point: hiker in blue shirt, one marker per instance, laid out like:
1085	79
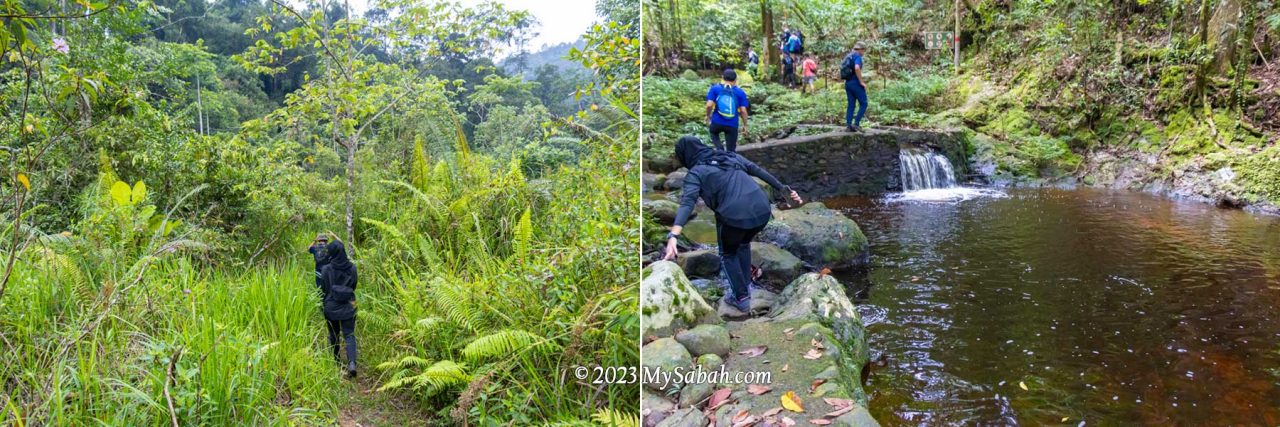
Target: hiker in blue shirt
726	103
855	88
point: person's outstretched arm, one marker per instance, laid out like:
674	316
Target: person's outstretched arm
688	198
759	172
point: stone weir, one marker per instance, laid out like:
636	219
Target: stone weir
844	163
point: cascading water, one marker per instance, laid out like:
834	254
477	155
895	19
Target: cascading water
925	169
927	176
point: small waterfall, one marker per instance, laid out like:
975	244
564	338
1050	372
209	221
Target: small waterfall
924	169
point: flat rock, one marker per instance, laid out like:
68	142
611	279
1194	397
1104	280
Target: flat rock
822	237
705	339
778	267
664	211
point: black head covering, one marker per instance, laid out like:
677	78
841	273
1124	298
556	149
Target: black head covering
338	256
692	152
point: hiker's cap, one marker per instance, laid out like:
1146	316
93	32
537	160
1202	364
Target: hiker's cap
859	46
322	236
730	75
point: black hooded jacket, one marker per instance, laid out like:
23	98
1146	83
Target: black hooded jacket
723	180
339	270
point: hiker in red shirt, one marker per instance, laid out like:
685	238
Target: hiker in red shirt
810	68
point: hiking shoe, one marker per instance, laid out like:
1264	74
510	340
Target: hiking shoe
857	129
351	370
850	129
742	304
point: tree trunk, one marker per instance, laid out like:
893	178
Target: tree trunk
771	55
351	190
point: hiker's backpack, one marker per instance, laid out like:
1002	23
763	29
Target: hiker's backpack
846	68
726	104
793	44
800	42
341	294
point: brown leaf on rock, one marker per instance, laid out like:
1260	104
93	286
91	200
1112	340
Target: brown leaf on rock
839	412
813	354
815	385
838	402
742	415
757	389
787	421
754	351
785	366
772	412
719	398
820	422
817	344
749	420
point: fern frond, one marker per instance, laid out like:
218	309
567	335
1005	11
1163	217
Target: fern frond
404	363
523	236
615	418
505	342
442	375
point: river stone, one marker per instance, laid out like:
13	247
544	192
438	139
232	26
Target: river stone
662	210
668	302
778	266
650	182
821	237
665	355
710	361
705	339
660	163
687	417
675	180
654	408
702	263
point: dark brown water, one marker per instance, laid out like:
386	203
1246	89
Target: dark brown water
1112	308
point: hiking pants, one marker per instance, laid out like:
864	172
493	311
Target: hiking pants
730	136
735	256
348	330
854	94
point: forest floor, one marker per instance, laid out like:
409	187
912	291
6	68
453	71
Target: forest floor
364	406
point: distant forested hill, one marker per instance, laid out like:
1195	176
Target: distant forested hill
553	55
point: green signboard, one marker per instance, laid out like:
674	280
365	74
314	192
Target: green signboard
938	39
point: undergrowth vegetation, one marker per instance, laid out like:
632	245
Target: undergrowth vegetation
163	192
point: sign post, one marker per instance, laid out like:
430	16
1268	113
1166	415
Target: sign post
956	44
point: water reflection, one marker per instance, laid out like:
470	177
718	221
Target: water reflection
1110	307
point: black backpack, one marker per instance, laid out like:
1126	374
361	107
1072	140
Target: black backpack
341	294
846	68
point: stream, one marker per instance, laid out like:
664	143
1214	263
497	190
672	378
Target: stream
1052	306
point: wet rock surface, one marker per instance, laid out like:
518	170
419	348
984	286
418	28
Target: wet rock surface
823	238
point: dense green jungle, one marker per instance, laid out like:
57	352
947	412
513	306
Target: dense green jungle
167	163
1171	97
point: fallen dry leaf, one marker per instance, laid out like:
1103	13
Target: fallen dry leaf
820	422
757	389
813	354
719	398
1022	384
815	385
742	415
788	330
838	402
754	351
791	402
785	366
749	420
839	412
772	412
817	344
788	422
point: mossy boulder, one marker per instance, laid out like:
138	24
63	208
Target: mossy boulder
668	302
705	339
675	180
654	408
665	355
687	417
663	211
650	182
778	267
703	263
821	237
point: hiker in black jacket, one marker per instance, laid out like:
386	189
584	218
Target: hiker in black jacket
723	181
337	287
317	251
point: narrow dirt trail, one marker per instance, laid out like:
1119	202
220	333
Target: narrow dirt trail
365	406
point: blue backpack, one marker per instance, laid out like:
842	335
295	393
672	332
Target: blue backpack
726	104
793	44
